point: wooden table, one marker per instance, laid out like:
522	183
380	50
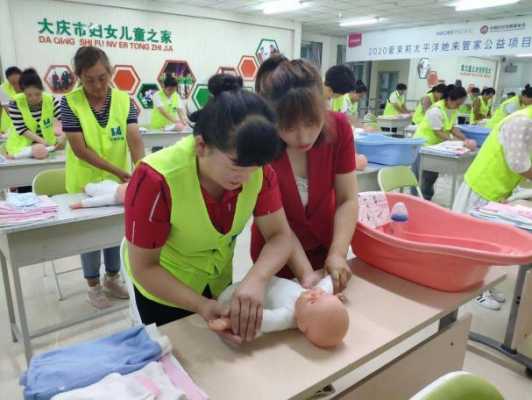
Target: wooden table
367	179
456	166
16	173
519	326
72	232
383	309
161	138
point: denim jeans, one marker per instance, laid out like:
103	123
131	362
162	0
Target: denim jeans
91	262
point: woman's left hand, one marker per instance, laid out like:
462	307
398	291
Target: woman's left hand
337	267
246	308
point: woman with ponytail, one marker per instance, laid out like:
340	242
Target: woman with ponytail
513	104
186	205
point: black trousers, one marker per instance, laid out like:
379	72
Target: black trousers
152	312
428	179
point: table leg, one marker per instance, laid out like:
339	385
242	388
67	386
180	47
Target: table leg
453	189
516	300
448	320
9	296
24	330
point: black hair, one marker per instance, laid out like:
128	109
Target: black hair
475	90
510	94
87	57
458	82
488	91
340	78
13	71
401	86
440	88
266	68
527	91
30	78
453	93
360	87
237	119
170	81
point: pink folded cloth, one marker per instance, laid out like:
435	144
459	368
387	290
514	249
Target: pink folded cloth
520	210
181	379
44	209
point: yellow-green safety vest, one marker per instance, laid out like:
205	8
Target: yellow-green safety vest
16	142
352	107
485	108
390	109
195	253
500	113
425	129
489	175
109	142
419	114
338	103
5	121
170	105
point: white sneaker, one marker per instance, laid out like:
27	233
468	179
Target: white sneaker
497	295
97	297
487	301
114	286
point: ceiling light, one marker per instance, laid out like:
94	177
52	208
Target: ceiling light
360	21
467	5
276	7
524	55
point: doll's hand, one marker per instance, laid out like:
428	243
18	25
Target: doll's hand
76	206
311	279
339	270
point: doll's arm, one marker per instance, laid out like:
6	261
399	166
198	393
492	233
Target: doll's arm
97	201
275	320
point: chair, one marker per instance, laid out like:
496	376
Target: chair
459	385
398	177
50	183
133	310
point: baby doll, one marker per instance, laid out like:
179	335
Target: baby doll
104	193
317	313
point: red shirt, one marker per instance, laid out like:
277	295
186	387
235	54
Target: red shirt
148	203
313	225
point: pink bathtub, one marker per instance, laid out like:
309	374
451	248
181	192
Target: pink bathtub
441	249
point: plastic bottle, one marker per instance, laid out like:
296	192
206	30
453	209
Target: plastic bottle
399	217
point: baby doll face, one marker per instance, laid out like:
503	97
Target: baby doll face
321	317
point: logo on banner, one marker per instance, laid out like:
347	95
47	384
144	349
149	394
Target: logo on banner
355	39
484	29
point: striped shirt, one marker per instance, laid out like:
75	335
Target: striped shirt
18	122
71	122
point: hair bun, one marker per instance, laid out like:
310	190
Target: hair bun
223	83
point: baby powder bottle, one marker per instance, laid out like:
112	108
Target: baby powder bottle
399	217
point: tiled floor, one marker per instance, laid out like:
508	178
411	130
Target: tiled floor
43	308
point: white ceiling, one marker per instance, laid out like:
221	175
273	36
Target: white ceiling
322	16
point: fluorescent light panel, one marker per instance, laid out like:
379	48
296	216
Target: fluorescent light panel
277	7
467	5
525	55
360	21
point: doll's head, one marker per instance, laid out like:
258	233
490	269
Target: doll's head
361	162
39	151
121	193
321	317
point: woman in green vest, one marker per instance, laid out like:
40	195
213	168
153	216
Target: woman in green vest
339	81
504	160
353	101
35	116
104	140
438	125
167	106
8	90
433	95
396	103
481	108
510	106
187	203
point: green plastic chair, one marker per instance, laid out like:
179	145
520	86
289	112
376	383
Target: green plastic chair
399	177
50	183
459	385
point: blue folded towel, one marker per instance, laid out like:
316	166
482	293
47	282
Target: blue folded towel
87	363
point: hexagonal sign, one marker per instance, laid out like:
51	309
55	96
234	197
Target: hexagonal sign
248	67
227	70
266	48
201	95
126	78
180	70
145	94
60	79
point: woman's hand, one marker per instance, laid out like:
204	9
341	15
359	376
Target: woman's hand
337	267
123	176
211	311
311	279
247	307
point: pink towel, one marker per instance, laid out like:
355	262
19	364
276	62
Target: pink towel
181	379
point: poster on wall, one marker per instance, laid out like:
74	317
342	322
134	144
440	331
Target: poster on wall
479	38
180	70
267	47
60	79
146	93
